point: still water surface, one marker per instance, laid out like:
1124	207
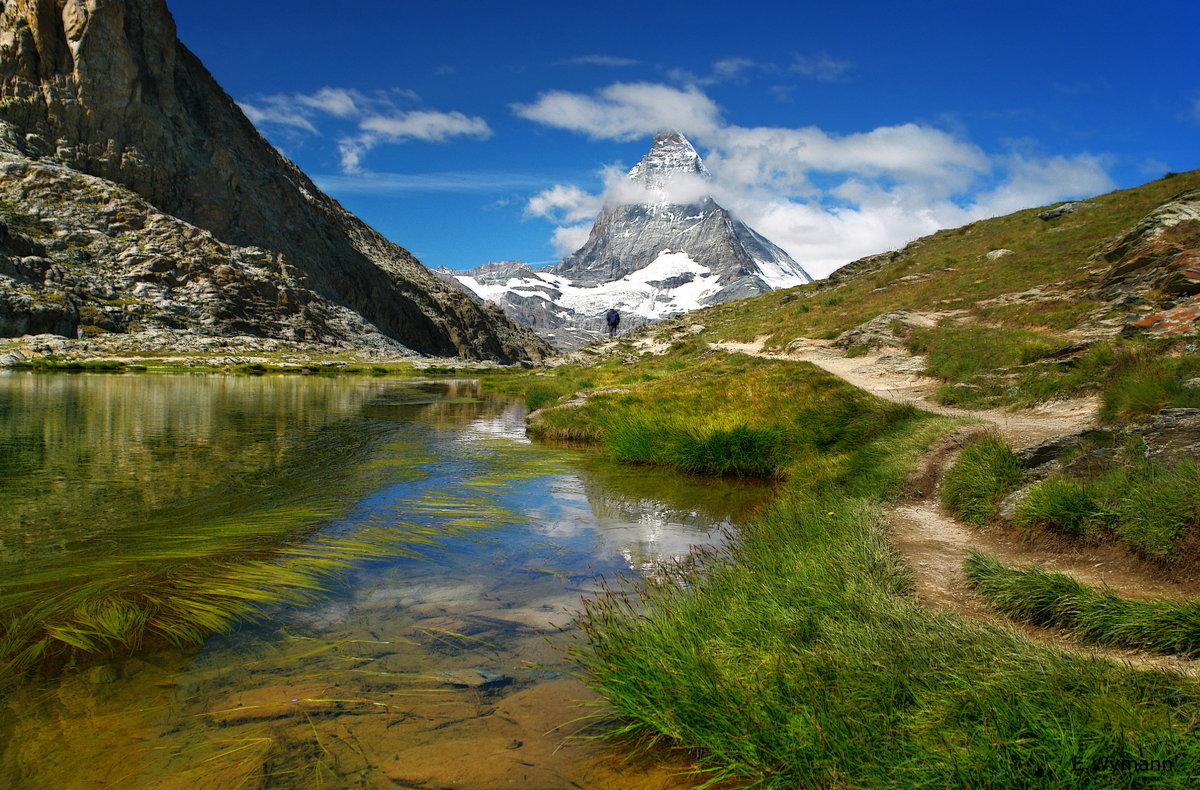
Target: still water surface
416	558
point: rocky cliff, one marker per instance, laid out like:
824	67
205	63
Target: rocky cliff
135	195
661	247
1156	265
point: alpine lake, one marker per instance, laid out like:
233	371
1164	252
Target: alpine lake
217	581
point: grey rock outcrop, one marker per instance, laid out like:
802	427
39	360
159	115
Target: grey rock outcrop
1170	436
882	330
1063	210
102	89
1156	265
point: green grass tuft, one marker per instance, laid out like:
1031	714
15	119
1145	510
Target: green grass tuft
724	415
1160	505
985	473
956	353
1070	506
1148	376
1147	506
1035	595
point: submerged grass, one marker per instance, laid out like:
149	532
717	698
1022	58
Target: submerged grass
1035	595
115	574
177	589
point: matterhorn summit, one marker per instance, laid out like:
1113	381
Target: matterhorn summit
660	246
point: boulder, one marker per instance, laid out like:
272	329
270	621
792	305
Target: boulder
881	330
474	678
1064	209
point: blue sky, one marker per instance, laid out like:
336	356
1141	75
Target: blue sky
474	131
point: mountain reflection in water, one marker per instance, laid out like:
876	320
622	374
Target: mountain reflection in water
412	549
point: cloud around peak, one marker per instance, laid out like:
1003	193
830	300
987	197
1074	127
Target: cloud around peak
825	198
625	111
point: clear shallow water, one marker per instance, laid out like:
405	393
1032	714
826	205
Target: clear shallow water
427	660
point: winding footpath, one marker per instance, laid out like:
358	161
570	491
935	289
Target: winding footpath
936	544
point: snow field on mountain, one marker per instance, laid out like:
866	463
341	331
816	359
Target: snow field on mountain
633	293
777	275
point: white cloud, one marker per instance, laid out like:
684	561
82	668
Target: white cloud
568	238
1034	182
280	113
351	151
870	217
625	111
340	102
377	118
820	67
1153	168
564	204
731	68
783	158
827	199
425	125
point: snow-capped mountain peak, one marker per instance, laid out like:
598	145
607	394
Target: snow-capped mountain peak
672	155
660	248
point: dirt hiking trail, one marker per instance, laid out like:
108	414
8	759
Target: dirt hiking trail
936	545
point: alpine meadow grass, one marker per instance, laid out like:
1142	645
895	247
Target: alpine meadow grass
1035	595
797	655
985	472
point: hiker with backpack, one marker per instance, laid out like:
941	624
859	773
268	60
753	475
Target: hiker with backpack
614	320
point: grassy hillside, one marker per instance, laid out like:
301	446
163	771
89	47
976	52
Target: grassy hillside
992	339
798	656
950	270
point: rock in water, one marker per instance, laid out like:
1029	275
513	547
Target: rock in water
135	194
474	678
664	248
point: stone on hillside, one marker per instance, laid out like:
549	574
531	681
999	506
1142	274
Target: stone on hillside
996	255
1157	260
1007	510
880	330
1172	435
1049	450
1065	208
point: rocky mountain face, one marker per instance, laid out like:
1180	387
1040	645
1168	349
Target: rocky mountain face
662	248
136	197
1156	265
